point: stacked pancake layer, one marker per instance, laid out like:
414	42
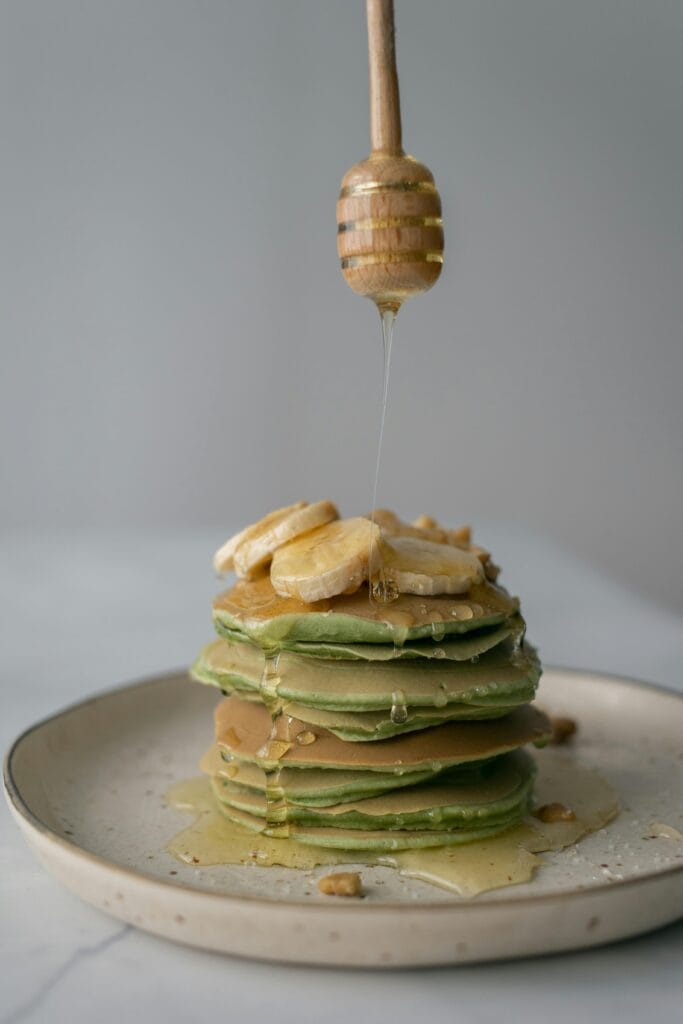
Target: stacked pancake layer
367	725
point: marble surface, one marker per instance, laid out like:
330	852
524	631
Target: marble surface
80	613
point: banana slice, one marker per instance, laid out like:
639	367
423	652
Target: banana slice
254	552
224	559
334	559
419	566
427	528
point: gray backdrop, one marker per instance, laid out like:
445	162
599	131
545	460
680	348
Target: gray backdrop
178	346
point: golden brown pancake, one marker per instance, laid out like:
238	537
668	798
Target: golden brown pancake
243	729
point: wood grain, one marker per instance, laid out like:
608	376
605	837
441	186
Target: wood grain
389	227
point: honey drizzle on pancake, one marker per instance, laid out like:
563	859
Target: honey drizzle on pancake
274	749
504	860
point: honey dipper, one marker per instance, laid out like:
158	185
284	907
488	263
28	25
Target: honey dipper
389	227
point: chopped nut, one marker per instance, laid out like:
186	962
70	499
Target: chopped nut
425	522
563	730
491	571
343	883
550	813
461	536
482	554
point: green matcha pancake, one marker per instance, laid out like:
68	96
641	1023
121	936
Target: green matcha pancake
244	730
317	787
431	814
366	726
492	683
358	839
253	608
460	647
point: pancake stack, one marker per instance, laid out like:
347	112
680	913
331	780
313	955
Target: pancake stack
377	684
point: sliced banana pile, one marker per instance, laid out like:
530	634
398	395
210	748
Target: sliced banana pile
252	548
313	555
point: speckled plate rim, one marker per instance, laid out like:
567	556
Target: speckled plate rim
59	855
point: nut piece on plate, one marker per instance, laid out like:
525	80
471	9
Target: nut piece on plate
334	559
551	813
563	730
343	883
250	550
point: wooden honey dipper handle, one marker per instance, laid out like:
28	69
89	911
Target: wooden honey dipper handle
389	229
385	106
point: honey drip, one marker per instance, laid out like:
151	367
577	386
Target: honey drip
213	839
399	708
274	749
382	589
467	870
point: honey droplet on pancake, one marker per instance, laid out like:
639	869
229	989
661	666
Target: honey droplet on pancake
441	696
399	709
384	590
462	611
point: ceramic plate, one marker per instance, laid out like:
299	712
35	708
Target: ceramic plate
86	788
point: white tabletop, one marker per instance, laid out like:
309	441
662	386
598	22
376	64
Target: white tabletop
82	613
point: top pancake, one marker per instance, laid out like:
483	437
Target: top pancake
253	609
457	647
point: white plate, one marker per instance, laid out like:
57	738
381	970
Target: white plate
86	788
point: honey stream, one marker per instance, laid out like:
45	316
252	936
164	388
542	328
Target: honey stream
382	589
